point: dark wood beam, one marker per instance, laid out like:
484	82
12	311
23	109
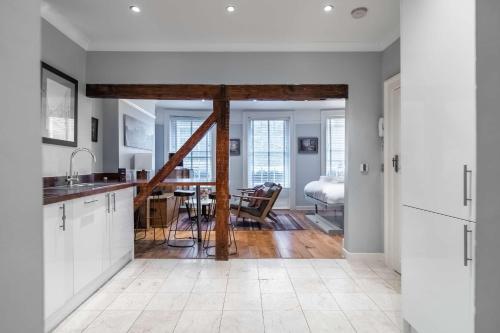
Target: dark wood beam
221	108
277	92
153	91
175	160
285	92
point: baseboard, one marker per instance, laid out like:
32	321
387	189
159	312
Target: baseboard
304	208
363	256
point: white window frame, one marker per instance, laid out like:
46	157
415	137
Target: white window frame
325	114
272	115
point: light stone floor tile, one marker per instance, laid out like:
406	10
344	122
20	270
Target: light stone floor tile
242	322
199	322
242	301
154	273
272	273
324	263
309	285
342	286
177	284
214	273
297	263
77	321
168	301
371	322
292	321
355	302
375	286
243	285
302	272
205	301
130	301
395	284
156	322
244	273
395	317
322	301
145	286
276	286
99	301
386	273
280	301
113	321
210	286
117	285
270	263
332	272
387	302
328	321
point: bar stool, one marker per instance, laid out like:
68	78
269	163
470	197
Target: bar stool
181	196
211	225
156	209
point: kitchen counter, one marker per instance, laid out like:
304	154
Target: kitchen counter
63	193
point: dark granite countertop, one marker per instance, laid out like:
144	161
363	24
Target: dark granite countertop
63	193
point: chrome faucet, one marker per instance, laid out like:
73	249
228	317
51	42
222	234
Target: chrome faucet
74	177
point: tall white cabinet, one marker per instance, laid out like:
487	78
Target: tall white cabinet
438	164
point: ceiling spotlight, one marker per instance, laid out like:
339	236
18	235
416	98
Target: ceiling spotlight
135	9
203	100
359	12
230	9
328	8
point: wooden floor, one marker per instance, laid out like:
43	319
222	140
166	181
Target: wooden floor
296	244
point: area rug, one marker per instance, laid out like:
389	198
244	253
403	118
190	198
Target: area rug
286	222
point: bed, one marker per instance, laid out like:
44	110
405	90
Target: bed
328	194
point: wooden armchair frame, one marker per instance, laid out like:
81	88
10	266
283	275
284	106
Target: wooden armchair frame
265	213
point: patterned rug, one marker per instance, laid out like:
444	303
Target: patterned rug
286	222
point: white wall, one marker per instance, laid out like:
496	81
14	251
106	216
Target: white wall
361	71
67	56
21	278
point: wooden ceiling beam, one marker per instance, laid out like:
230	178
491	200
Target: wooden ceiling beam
153	91
286	92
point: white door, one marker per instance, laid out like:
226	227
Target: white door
437	284
57	255
89	226
122	224
439	106
392	172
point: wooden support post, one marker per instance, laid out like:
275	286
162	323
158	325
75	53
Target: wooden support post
221	108
175	160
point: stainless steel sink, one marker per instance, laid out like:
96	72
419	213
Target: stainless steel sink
78	186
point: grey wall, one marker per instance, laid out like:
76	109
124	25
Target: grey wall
21	278
391	60
65	55
361	71
488	160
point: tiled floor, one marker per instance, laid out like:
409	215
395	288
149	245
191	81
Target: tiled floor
244	295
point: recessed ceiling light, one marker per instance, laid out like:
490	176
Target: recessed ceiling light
230	9
203	100
359	12
328	8
135	9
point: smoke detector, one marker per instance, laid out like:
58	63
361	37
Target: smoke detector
359	12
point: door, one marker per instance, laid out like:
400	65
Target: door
437	284
57	255
122	224
439	106
89	227
392	172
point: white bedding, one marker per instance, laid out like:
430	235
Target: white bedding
326	189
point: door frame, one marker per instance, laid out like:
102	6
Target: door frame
390	85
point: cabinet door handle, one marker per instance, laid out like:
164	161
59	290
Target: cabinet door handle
466	191
63	217
89	202
114	202
466	245
108	207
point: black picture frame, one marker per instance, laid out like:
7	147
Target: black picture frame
63	80
234	147
94	130
308	145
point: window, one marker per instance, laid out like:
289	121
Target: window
199	160
335	147
268	152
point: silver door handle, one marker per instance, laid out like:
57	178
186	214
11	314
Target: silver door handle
114	202
466	191
63	217
108	207
466	245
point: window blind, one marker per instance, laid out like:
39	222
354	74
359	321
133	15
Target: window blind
199	160
335	147
268	152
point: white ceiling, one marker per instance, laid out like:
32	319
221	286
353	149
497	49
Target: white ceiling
257	105
204	25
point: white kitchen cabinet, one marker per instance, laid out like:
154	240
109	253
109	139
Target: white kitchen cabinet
438	278
89	243
57	255
438	87
121	224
